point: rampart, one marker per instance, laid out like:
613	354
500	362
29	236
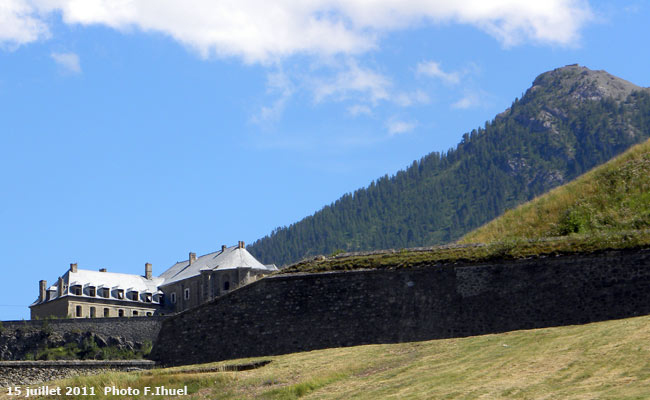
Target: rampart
19	338
288	313
136	329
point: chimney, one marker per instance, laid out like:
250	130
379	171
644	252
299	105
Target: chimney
102	270
73	267
42	286
241	244
148	271
223	248
192	257
59	287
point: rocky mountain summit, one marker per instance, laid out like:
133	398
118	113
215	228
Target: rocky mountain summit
579	83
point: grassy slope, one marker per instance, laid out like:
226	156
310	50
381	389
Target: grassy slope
605	360
613	197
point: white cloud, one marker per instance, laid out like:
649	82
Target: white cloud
359	109
19	24
409	99
266	31
397	127
279	85
432	69
69	61
353	81
469	100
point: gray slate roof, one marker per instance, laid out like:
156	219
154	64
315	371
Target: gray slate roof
231	258
109	280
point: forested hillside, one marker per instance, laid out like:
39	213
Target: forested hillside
569	121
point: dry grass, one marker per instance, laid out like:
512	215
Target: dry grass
605	360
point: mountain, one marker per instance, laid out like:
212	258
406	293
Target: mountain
569	121
613	197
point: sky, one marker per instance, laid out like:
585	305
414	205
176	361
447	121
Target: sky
136	131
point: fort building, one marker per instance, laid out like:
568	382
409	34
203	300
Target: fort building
81	293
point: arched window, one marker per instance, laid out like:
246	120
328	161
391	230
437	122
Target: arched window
172	298
120	313
186	294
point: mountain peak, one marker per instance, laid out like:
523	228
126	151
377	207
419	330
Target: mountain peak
581	83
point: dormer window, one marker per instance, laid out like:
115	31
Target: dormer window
76	290
148	298
133	295
105	293
92	292
120	294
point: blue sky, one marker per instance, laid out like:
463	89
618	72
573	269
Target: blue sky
137	131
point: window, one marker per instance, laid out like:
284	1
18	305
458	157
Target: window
106	293
149	314
186	294
120	313
120	294
107	312
93	312
79	313
91	291
172	298
147	298
76	290
134	296
135	313
226	285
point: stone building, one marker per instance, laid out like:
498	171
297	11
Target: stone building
83	293
189	283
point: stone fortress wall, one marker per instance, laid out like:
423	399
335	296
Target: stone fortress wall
136	329
289	313
20	338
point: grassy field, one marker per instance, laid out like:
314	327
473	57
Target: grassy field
605	360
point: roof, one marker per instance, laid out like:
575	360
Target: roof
112	280
229	258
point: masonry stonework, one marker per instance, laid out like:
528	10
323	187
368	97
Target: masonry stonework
19	338
288	313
